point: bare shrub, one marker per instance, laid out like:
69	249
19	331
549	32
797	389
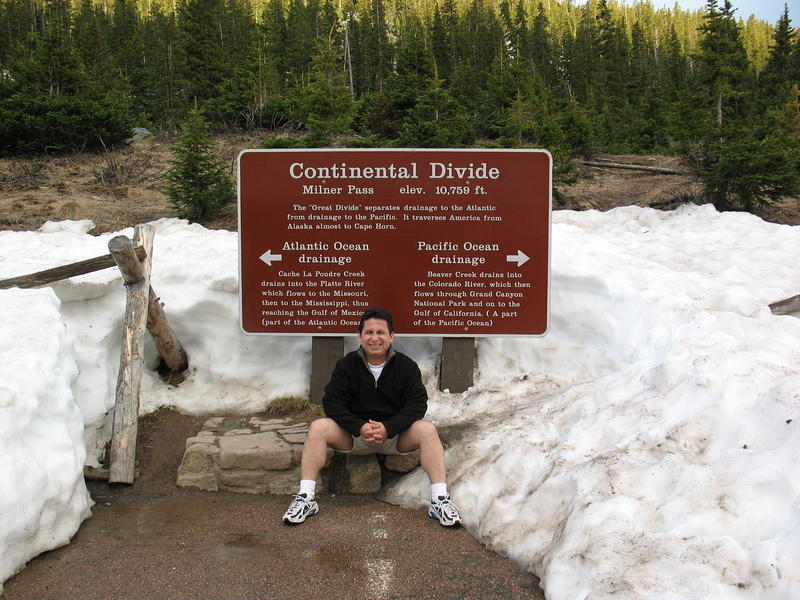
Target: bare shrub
22	175
123	169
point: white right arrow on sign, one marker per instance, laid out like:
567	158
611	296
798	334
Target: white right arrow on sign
520	258
268	257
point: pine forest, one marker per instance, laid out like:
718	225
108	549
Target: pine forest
575	78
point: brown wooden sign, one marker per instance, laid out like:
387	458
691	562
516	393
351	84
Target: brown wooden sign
452	242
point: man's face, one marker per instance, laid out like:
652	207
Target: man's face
375	340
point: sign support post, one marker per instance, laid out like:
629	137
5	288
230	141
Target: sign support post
457	364
325	351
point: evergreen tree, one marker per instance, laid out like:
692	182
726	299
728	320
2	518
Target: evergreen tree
721	64
436	121
750	157
774	82
162	98
198	183
327	100
273	36
90	35
47	100
746	168
202	63
540	51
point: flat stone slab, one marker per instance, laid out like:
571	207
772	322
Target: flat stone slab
253	455
293	438
254	451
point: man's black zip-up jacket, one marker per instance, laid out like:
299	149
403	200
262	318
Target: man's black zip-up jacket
397	399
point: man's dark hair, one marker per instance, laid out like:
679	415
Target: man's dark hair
377	313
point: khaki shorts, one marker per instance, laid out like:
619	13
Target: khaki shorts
361	447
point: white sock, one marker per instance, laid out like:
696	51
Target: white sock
308	487
438	489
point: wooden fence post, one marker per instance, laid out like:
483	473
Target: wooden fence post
71	270
126	411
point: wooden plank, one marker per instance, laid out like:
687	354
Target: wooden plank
325	351
612	165
126	409
457	366
786	307
66	271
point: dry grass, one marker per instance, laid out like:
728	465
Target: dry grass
293	407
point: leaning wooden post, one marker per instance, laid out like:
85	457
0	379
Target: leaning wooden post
167	344
126	412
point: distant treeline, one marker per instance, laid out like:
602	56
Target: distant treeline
546	73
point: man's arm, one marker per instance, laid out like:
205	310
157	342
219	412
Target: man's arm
415	400
335	404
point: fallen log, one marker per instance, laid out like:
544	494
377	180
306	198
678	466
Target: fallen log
65	271
612	165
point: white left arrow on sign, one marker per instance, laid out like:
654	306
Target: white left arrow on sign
268	257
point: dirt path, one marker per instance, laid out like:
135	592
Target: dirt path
153	540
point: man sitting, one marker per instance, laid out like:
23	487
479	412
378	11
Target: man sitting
375	403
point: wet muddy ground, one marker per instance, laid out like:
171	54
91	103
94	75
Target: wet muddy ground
153	540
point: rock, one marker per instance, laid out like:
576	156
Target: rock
402	463
288	482
273	427
238	432
266	422
297	455
197	469
293	438
201	481
255	451
249	481
205	439
355	474
285	482
240	460
293	429
139	133
214	422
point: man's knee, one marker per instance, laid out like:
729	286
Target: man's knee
322	429
418	434
329	432
425	429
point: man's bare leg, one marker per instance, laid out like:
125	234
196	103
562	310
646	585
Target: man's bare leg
321	434
423	435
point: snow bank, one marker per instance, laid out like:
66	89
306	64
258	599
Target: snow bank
44	498
648	447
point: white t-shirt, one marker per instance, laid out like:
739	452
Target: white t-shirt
377	370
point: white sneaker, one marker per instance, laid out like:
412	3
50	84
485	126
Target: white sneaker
442	508
301	507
